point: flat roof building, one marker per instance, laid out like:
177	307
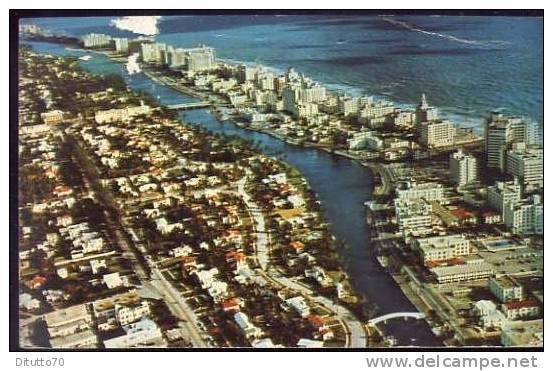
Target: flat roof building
441	247
502	194
440	133
463	272
500	132
505	288
526	164
96	40
413	214
430	191
84	339
463	168
525	217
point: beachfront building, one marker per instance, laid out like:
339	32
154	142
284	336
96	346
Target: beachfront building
176	58
121	45
404	119
200	59
534	134
463	168
153	53
441	248
312	94
246	73
500	133
424	112
347	105
437	133
96	40
376	114
526	163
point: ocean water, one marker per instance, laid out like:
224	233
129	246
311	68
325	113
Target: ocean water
466	65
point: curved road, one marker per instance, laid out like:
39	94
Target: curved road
357	337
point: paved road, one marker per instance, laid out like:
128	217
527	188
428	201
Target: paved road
172	297
261	236
177	304
357	337
429	297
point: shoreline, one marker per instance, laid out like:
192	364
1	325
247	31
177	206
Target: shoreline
372	166
457	115
375	170
121	59
192	93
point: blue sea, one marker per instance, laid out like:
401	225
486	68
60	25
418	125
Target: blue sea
466	65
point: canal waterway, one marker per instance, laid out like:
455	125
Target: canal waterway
342	185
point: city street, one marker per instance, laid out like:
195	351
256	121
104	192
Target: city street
356	335
178	307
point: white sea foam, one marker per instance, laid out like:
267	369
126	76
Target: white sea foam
142	25
444	36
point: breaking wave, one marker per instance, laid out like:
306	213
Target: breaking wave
444	36
141	25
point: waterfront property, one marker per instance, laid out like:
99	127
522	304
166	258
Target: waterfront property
292	107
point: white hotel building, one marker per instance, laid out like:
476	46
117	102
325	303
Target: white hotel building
428	191
412	215
500	132
463	168
441	247
436	133
96	40
526	164
525	217
502	194
464	272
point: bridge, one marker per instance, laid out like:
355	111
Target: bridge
386	317
189	106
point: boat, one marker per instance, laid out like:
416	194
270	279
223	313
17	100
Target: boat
437	330
85	57
383	260
369	219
